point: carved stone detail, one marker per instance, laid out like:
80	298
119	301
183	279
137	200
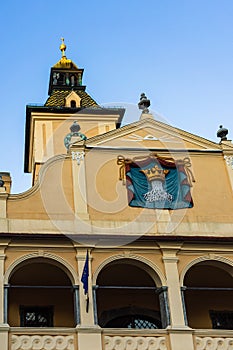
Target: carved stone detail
42	342
209	343
229	160
135	343
78	156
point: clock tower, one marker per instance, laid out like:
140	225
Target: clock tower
68	102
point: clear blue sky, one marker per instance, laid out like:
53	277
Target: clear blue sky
179	52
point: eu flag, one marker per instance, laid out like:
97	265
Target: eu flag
85	275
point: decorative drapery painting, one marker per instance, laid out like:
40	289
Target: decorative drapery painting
157	182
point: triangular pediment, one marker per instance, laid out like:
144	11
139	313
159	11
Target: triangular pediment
151	134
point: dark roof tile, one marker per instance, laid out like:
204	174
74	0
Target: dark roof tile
57	98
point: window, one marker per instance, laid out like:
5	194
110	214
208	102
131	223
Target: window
134	321
36	316
222	319
73	104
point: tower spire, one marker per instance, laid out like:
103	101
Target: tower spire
63	48
65	74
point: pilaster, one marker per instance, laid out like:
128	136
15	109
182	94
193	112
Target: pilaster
79	184
89	339
3	246
229	167
4	330
3	200
170	261
179	337
2	259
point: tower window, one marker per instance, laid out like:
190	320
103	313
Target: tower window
73	104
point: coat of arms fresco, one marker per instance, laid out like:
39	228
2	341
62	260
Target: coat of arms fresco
157	182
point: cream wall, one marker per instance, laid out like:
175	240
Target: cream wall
153	256
106	196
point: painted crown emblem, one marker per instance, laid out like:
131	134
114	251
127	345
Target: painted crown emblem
155	173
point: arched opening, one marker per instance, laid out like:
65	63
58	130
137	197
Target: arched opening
73	104
40	294
208	295
127	296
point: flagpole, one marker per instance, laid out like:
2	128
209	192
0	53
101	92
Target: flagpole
85	280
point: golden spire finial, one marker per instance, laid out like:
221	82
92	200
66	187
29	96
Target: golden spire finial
63	47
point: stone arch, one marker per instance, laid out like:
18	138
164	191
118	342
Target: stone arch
60	262
207	292
150	267
217	258
128	293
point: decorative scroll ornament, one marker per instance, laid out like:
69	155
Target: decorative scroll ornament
42	342
135	343
210	343
74	133
157	182
78	156
229	160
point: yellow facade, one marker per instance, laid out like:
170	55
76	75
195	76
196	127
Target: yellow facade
158	278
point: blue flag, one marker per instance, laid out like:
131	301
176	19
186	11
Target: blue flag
85	275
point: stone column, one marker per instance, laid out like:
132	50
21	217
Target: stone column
6	303
94	288
2	259
164	306
4	328
180	334
76	305
183	289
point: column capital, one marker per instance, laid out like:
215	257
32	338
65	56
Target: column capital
162	289
170	259
170	248
3	194
3	245
82	253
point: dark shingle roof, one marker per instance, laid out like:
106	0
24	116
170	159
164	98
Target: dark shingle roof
57	98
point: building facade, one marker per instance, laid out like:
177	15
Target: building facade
125	239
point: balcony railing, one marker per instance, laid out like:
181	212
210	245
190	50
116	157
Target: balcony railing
135	339
123	339
213	339
40	339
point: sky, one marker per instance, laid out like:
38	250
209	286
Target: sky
178	52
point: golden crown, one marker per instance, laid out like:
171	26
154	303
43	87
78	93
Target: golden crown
155	173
